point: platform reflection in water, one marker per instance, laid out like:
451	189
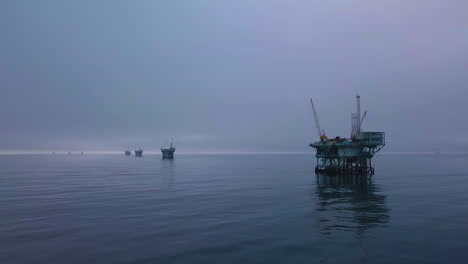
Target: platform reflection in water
349	203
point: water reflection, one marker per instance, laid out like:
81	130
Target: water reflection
167	172
350	203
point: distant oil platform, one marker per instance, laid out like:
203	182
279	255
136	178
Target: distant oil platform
168	153
139	153
347	156
128	152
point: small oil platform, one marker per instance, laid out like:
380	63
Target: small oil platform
128	152
347	156
168	153
139	153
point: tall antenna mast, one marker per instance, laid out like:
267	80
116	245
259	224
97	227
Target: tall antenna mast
358	112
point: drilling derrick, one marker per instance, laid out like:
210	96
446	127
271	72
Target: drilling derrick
348	156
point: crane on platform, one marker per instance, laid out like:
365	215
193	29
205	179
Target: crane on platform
320	132
362	120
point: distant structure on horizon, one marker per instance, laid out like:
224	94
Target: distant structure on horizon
139	153
347	156
128	152
168	153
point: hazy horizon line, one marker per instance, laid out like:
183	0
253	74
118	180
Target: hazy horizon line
105	152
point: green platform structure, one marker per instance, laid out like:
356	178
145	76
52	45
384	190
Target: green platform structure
168	153
348	155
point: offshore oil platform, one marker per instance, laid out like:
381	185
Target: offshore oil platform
128	152
347	156
139	153
168	153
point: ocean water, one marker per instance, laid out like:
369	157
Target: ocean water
231	209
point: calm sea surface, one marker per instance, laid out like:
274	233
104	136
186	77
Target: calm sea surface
230	209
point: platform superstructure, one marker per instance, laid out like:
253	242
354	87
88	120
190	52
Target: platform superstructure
139	153
168	153
347	155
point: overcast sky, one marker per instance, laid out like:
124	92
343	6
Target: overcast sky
231	75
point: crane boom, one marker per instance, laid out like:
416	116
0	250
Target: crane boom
317	125
362	120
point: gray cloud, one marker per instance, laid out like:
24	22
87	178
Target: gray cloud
230	75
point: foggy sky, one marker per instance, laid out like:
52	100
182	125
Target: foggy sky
231	75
